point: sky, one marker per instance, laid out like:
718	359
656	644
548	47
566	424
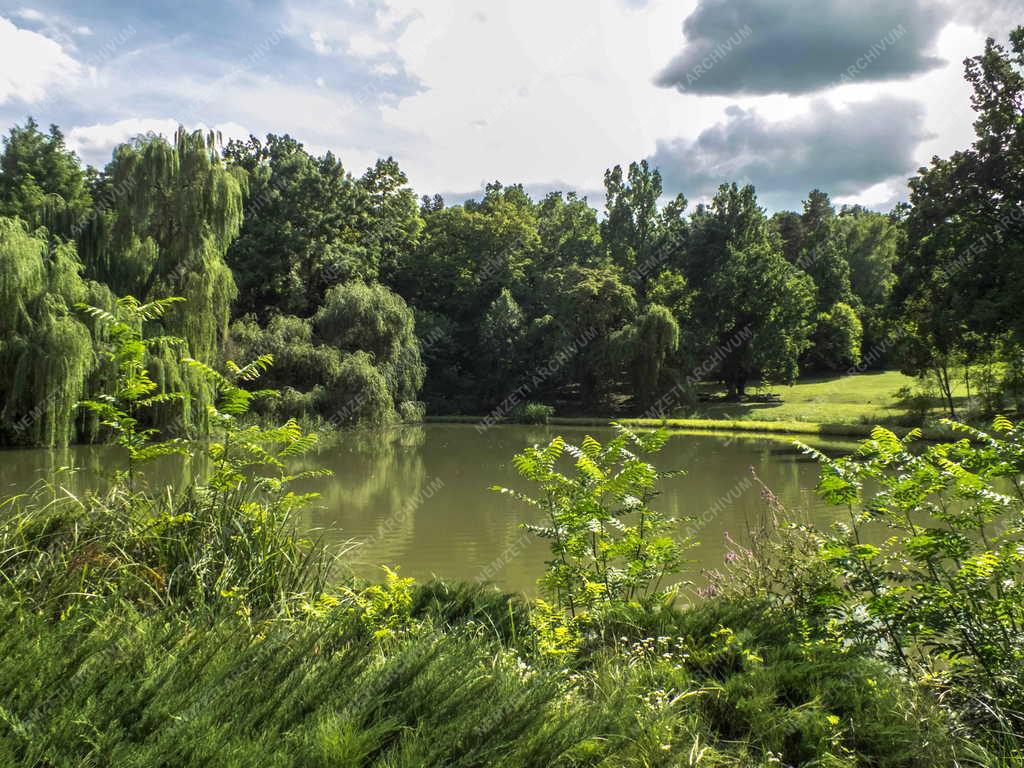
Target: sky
849	96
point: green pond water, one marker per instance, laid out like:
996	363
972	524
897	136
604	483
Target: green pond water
418	497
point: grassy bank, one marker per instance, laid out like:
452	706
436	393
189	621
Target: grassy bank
844	406
725	426
864	398
463	684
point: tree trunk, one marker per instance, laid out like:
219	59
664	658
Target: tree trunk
967	382
737	387
942	373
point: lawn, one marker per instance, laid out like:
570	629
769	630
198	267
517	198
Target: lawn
865	398
839	405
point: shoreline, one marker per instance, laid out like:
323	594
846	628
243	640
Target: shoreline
713	425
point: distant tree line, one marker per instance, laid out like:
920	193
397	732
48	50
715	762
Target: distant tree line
374	303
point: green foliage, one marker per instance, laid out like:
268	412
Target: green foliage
927	572
229	545
950	578
37	167
411	411
502	333
639	237
870	244
559	635
395	224
654	342
45	351
532	413
607	544
309	225
719	685
836	340
593	307
299	360
242	448
179	209
125	349
504	288
960	265
385	609
753	303
821	255
372	320
568	230
361	394
357	361
176	614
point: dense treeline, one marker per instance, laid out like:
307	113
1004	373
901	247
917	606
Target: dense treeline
373	303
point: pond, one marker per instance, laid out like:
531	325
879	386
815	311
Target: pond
417	497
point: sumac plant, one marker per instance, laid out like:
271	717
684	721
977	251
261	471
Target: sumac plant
125	346
607	544
943	593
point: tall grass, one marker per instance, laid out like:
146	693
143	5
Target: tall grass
727	686
60	552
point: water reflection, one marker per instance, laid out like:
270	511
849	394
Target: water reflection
417	496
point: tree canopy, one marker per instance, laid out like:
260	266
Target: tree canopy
371	301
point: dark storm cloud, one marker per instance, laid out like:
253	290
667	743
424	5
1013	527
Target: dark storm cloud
840	150
799	46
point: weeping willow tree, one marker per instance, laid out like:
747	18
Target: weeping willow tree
172	210
46	350
374	321
176	209
653	339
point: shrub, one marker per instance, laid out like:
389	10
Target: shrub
360	395
607	544
157	632
384	609
941	594
918	404
229	544
836	339
412	411
531	413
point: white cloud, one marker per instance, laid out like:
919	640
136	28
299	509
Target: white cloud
843	150
363	31
30	14
95	143
58	28
881	196
349	124
33	66
992	17
508	98
365	45
944	92
318	42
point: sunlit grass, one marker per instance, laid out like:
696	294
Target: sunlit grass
840	405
